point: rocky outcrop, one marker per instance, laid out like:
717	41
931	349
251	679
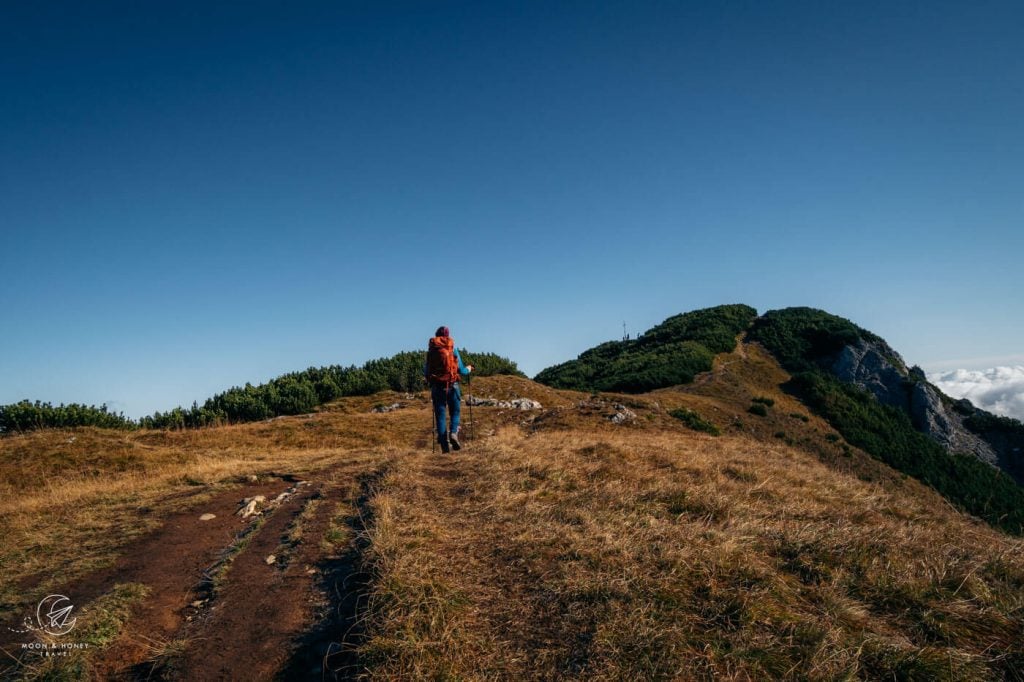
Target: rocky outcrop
622	415
931	416
877	368
514	404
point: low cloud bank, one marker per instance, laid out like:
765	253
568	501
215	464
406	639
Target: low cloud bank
999	389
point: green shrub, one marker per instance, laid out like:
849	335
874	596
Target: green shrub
695	421
671	353
28	416
759	409
887	434
800	337
767	402
303	392
295	393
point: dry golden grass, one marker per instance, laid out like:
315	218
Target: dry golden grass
559	545
95	490
635	554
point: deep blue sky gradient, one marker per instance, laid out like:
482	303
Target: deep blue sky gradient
196	195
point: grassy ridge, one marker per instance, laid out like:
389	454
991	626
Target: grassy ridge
888	434
804	339
668	354
560	545
613	555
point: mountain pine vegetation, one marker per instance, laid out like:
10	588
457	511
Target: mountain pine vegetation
671	353
804	340
289	394
28	416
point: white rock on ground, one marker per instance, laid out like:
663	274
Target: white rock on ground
250	506
622	414
515	403
207	517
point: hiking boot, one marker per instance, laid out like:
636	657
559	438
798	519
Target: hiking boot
456	445
444	447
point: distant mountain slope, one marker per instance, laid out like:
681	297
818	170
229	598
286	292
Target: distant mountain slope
806	339
863	387
670	353
849	376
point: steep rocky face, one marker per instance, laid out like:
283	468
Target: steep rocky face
931	416
877	368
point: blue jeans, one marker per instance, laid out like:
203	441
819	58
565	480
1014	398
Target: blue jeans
450	399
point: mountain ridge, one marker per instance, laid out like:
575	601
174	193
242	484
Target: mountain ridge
596	536
835	364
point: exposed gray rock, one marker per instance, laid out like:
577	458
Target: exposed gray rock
388	408
945	426
250	506
622	414
929	414
515	403
877	368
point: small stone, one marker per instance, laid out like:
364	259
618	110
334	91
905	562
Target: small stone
207	517
271	560
622	415
250	506
252	478
197	603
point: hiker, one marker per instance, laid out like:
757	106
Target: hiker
442	370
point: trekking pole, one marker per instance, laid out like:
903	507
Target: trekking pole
469	383
433	424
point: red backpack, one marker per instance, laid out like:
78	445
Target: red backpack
442	367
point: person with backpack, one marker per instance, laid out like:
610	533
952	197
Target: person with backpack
442	371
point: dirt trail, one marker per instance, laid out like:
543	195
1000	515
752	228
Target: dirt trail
261	607
168	560
254	619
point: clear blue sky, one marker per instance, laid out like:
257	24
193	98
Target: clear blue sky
195	195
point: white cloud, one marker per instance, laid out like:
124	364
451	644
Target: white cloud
999	389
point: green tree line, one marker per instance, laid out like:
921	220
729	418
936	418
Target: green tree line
28	416
294	393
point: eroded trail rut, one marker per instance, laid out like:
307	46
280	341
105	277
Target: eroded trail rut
268	597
